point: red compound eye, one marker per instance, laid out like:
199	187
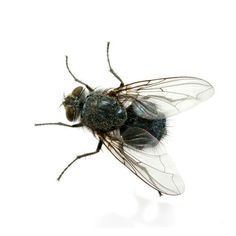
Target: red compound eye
77	91
70	113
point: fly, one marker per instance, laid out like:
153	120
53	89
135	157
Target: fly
130	121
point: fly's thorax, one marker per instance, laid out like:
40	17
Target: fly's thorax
102	112
73	103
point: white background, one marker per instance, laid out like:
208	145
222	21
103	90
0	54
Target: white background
149	39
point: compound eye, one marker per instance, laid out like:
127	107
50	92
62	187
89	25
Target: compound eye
77	91
70	113
68	101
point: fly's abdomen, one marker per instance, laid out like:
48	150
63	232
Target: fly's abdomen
156	127
103	113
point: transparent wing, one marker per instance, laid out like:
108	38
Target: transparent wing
171	95
151	164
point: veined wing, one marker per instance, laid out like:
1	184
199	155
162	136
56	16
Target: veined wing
171	95
152	165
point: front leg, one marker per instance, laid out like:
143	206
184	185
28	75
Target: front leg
60	123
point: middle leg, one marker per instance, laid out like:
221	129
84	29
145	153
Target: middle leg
110	68
99	146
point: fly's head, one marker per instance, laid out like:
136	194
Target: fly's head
73	103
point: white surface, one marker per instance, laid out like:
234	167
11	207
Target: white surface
149	39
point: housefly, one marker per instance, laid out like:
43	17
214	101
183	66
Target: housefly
130	121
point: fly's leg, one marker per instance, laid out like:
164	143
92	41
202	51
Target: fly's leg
62	124
80	156
110	68
79	81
